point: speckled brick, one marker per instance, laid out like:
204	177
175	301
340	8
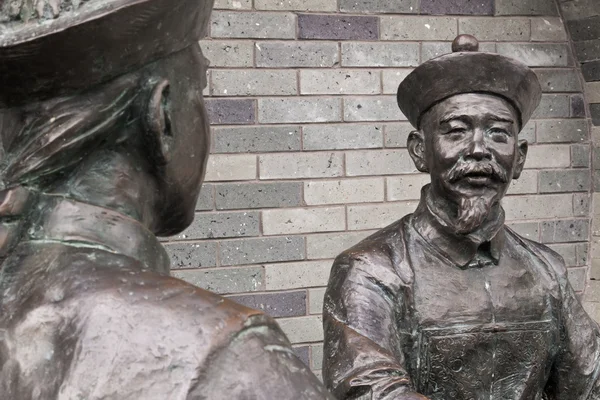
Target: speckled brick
225	280
580	156
259	195
261	250
380	6
277	305
192	255
565	231
565	181
562	131
591	71
457	7
526	7
206	200
595	113
221	225
231	111
302	353
588	50
559	80
577	106
337	27
585	29
256	139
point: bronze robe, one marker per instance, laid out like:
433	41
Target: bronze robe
400	312
89	312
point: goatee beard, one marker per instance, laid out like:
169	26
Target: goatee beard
472	212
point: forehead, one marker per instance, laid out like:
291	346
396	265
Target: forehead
472	105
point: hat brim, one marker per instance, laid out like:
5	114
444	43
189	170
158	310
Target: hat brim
469	72
93	44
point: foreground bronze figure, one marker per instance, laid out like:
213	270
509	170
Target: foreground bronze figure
104	140
448	303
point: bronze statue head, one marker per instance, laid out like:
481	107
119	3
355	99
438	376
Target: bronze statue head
109	100
468	109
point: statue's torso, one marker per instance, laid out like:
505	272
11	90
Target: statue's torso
481	333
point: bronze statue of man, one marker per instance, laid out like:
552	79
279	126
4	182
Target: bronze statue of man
448	303
104	140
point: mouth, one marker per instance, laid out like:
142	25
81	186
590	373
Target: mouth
478	178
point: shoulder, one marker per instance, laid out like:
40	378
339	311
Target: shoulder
548	256
380	257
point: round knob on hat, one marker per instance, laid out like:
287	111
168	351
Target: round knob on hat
465	43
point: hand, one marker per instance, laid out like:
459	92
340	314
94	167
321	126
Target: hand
411	396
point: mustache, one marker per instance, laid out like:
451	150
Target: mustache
489	168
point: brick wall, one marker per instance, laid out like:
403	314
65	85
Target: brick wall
309	146
582	18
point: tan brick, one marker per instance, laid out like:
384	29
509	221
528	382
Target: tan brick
378	215
496	29
296	5
231	167
392	79
418	28
548	156
548	29
228	53
538	206
593	309
300	109
302	329
592	92
315	300
233	4
306	220
406	187
336	81
526	184
372	108
366	190
253	82
379	162
297	275
301	165
330	245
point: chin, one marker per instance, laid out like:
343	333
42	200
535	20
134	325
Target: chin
174	220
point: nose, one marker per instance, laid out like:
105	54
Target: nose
478	149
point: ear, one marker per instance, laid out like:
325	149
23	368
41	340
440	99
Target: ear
521	156
416	149
158	122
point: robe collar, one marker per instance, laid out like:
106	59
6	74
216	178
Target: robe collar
460	249
78	224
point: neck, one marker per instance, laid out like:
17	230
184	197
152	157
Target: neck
107	203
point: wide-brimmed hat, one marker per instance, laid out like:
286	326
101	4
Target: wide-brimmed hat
468	71
93	43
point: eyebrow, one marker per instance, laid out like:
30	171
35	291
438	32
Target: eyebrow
467	118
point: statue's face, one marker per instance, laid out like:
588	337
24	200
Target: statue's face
182	175
471	146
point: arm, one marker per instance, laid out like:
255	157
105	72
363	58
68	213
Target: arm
575	373
258	363
363	347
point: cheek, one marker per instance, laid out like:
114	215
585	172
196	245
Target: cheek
445	152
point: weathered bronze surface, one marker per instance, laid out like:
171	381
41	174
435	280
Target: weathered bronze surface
104	140
448	303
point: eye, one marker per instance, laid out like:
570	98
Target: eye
456	131
499	135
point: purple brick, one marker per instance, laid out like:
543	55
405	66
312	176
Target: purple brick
585	29
457	7
577	106
595	111
231	111
302	353
591	71
588	50
290	304
334	27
